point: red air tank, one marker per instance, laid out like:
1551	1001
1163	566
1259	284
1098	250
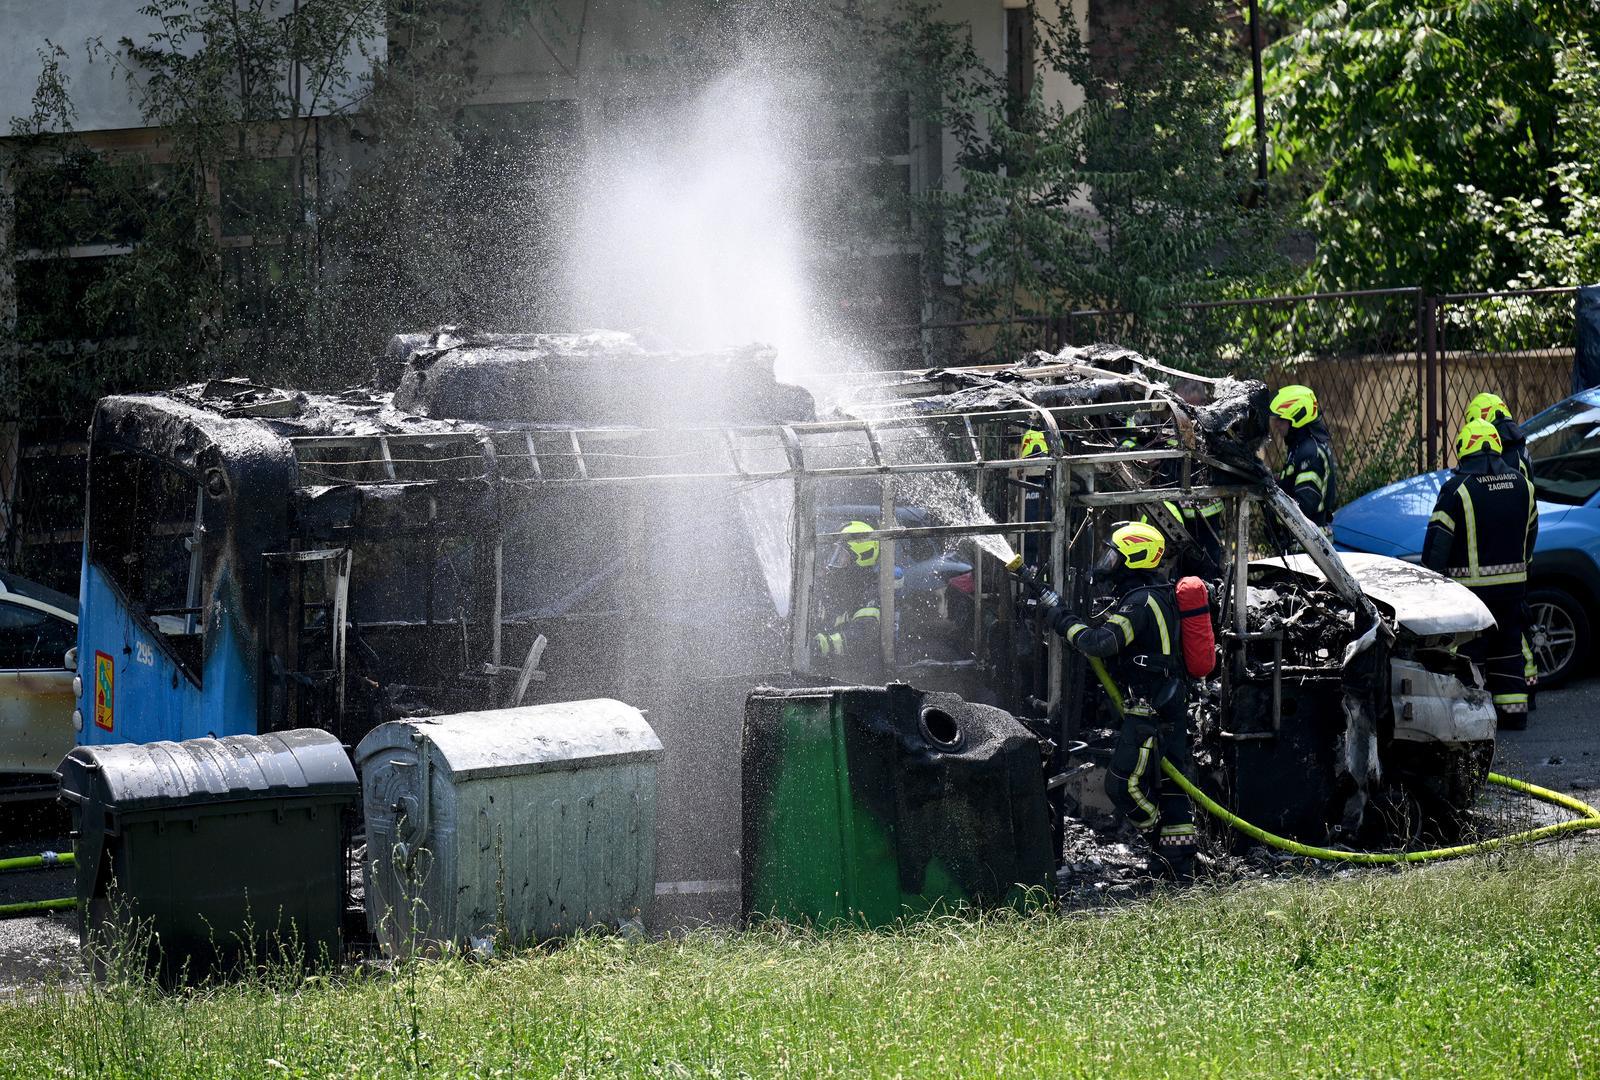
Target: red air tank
1194	627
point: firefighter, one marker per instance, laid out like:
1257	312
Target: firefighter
850	603
1481	534
1491	407
1308	474
1036	497
1204	557
1140	636
1033	444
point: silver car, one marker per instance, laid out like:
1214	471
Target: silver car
38	646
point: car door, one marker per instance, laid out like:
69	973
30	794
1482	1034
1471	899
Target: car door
36	698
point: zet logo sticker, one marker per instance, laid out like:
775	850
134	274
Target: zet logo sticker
104	678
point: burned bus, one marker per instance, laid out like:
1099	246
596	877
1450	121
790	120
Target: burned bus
511	519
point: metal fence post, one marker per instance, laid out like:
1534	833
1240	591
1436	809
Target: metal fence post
1419	343
1430	431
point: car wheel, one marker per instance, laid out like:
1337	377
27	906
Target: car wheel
1558	633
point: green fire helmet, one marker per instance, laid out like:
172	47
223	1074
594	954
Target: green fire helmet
865	551
1296	404
1477	436
1487	406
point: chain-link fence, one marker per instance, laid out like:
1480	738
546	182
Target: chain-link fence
1520	345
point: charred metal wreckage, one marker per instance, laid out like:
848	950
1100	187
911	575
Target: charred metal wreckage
509	519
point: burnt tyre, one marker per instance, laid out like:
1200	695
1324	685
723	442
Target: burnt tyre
1558	634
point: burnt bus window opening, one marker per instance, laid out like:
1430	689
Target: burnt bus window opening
142	536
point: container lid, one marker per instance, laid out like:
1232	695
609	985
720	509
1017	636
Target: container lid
147	776
534	738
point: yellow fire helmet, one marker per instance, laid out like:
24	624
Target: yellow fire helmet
1140	544
1033	444
1487	406
1296	404
866	551
1476	437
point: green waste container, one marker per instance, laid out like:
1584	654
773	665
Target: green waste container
870	803
203	857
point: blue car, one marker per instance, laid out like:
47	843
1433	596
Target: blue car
1564	580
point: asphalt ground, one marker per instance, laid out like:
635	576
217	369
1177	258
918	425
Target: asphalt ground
1560	750
35	949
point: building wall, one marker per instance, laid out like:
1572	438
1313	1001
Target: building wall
574	74
99	91
90	31
609	57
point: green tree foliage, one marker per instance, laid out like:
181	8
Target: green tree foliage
1403	123
231	87
1127	202
303	199
1557	232
383	213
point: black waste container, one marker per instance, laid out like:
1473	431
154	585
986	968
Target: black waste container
208	855
871	803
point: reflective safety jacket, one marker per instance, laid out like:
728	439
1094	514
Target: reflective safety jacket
1308	474
1483	525
1141	632
1198	521
854	634
1201	524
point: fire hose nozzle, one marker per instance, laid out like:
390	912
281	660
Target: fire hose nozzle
1015	564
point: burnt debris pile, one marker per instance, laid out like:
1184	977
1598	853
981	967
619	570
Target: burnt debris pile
1314	623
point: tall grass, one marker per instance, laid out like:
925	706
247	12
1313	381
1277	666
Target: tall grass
1487	967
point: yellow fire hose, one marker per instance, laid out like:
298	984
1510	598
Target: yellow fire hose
33	862
33	907
1589	817
45	861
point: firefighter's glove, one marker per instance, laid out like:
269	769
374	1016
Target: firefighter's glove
1049	609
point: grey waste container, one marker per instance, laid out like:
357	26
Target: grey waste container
532	822
220	852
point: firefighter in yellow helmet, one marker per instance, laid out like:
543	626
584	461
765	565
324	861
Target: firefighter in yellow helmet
1514	448
1491	407
1203	556
1308	475
1139	636
849	596
1481	534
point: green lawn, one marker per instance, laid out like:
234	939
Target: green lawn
1487	967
